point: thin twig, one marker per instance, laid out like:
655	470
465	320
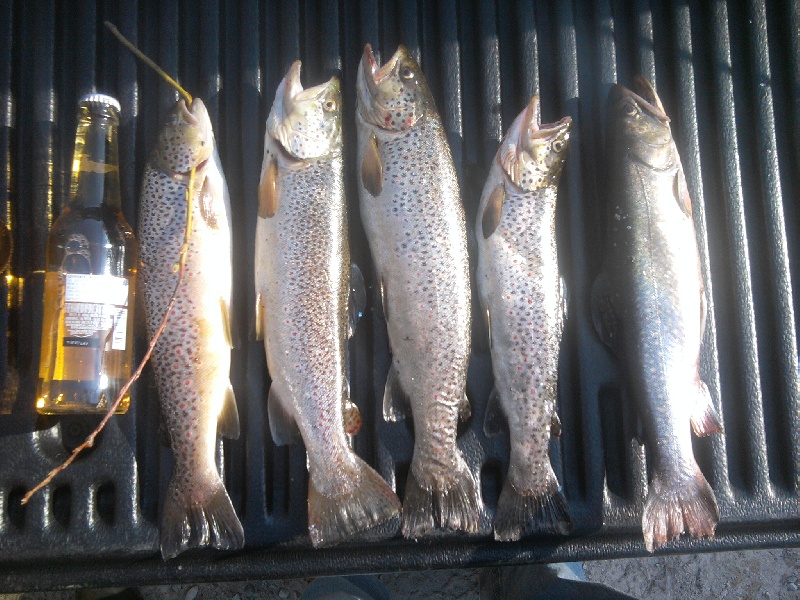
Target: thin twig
180	267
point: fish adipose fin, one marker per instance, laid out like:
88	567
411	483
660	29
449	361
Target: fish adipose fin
673	507
454	503
282	425
228	421
705	419
395	400
494	422
520	514
335	519
194	524
372	169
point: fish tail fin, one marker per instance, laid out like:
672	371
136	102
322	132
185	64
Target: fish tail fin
334	519
191	524
451	502
522	513
673	507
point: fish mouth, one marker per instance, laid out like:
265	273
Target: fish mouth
646	97
187	115
378	74
291	88
529	127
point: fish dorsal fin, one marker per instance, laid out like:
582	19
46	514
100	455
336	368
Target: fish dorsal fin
358	298
268	191
372	169
282	425
228	420
395	400
352	418
494	422
259	324
681	191
493	210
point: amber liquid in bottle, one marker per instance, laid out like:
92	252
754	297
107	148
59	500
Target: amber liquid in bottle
90	278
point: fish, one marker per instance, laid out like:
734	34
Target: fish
302	285
411	209
191	360
649	307
521	293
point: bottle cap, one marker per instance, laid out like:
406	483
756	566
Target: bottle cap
97	102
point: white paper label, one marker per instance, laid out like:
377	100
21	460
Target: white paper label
95	303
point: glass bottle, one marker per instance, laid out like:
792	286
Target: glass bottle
90	277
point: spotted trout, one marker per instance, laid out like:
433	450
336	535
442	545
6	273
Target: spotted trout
520	291
191	359
649	307
412	213
302	290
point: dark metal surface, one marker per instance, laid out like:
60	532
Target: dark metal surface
729	76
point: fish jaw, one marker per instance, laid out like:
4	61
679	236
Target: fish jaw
640	124
186	141
306	124
392	97
532	154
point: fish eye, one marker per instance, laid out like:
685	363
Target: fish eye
630	109
330	105
407	73
558	145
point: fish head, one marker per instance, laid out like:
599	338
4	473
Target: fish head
307	124
639	123
532	153
186	140
392	97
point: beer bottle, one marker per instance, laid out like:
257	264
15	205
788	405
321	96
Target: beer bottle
90	277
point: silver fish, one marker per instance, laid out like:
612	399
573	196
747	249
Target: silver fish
192	357
649	307
302	287
521	293
414	220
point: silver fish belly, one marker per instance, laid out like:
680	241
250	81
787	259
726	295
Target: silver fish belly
191	359
302	285
649	307
414	220
520	291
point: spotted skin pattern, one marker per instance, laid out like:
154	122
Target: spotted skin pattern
519	287
417	237
303	282
192	357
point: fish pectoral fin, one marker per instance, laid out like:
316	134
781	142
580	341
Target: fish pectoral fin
228	420
555	425
211	195
259	316
493	210
562	283
681	191
395	400
494	422
227	329
603	316
352	418
464	409
357	300
705	418
382	296
372	169
163	433
282	425
268	190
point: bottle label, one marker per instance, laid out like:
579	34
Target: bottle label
95	304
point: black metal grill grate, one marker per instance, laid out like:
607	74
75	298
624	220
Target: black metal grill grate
729	76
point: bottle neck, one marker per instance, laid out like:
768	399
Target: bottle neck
95	164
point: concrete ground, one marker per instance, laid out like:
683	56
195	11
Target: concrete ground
773	574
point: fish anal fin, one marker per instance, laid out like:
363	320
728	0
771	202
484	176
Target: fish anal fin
372	169
268	191
603	316
228	420
493	210
282	425
352	418
705	419
494	422
395	400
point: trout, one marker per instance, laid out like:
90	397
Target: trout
521	293
412	213
302	289
192	358
649	307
